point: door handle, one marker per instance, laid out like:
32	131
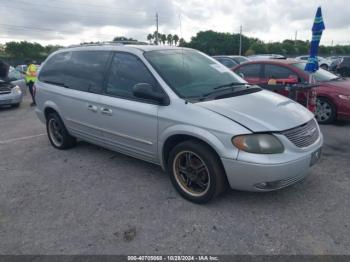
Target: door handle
92	108
106	111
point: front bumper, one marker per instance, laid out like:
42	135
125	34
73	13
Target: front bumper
247	176
10	99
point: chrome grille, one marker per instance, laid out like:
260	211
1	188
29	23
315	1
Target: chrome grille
303	136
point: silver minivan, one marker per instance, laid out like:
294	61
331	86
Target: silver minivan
180	109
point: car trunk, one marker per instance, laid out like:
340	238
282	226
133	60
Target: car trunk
5	86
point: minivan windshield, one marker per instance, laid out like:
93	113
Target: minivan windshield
190	73
320	75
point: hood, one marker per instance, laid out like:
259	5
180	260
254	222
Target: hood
4	70
343	86
261	111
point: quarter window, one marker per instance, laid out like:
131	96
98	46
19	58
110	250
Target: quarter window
79	70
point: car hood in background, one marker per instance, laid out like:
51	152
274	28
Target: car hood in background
262	111
343	86
4	70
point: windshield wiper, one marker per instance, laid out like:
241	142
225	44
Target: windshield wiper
225	87
230	85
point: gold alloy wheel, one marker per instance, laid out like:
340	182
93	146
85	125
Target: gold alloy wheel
55	131
191	173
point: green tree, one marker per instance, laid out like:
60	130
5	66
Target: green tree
123	38
163	39
169	39
176	39
150	38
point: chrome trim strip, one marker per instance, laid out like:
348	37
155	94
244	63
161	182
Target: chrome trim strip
111	132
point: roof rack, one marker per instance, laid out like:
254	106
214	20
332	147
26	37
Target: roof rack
126	42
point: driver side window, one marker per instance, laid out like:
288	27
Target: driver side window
127	70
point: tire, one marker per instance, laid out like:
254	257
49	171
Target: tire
324	66
326	112
62	139
15	105
207	183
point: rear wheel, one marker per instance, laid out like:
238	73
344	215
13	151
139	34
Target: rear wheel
324	66
325	111
57	133
196	172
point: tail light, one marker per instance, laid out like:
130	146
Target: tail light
312	100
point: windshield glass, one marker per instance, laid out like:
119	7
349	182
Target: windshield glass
241	59
320	75
190	73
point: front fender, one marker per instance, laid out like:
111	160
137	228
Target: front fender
220	142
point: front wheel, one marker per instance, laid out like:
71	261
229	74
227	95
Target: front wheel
325	111
57	133
324	66
196	172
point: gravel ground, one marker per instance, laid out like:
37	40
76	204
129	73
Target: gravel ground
89	200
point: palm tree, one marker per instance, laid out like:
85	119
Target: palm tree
182	42
163	38
169	39
155	34
150	38
175	39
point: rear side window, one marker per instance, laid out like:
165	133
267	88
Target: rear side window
78	70
252	70
126	71
278	72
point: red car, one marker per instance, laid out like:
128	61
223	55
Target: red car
333	92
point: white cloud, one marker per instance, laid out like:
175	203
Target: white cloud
70	22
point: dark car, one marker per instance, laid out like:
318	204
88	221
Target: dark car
231	61
343	67
333	92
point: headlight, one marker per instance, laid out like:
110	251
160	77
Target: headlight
17	90
258	144
345	97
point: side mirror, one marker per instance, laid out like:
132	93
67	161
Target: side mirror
241	75
149	92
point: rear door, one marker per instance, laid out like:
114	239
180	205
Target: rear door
75	81
251	73
130	125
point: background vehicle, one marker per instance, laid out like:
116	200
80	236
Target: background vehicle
343	68
180	109
333	92
10	94
322	62
266	56
16	78
231	61
334	64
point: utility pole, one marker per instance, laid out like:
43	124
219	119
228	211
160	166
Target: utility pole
296	37
240	40
157	33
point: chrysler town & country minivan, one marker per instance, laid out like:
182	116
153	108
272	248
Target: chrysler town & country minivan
180	109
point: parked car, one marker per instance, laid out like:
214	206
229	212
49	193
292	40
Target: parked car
16	78
333	93
343	68
334	64
10	94
180	109
266	56
322	62
231	61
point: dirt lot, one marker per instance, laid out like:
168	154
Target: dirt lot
89	200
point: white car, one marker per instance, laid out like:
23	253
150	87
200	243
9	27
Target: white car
322	62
